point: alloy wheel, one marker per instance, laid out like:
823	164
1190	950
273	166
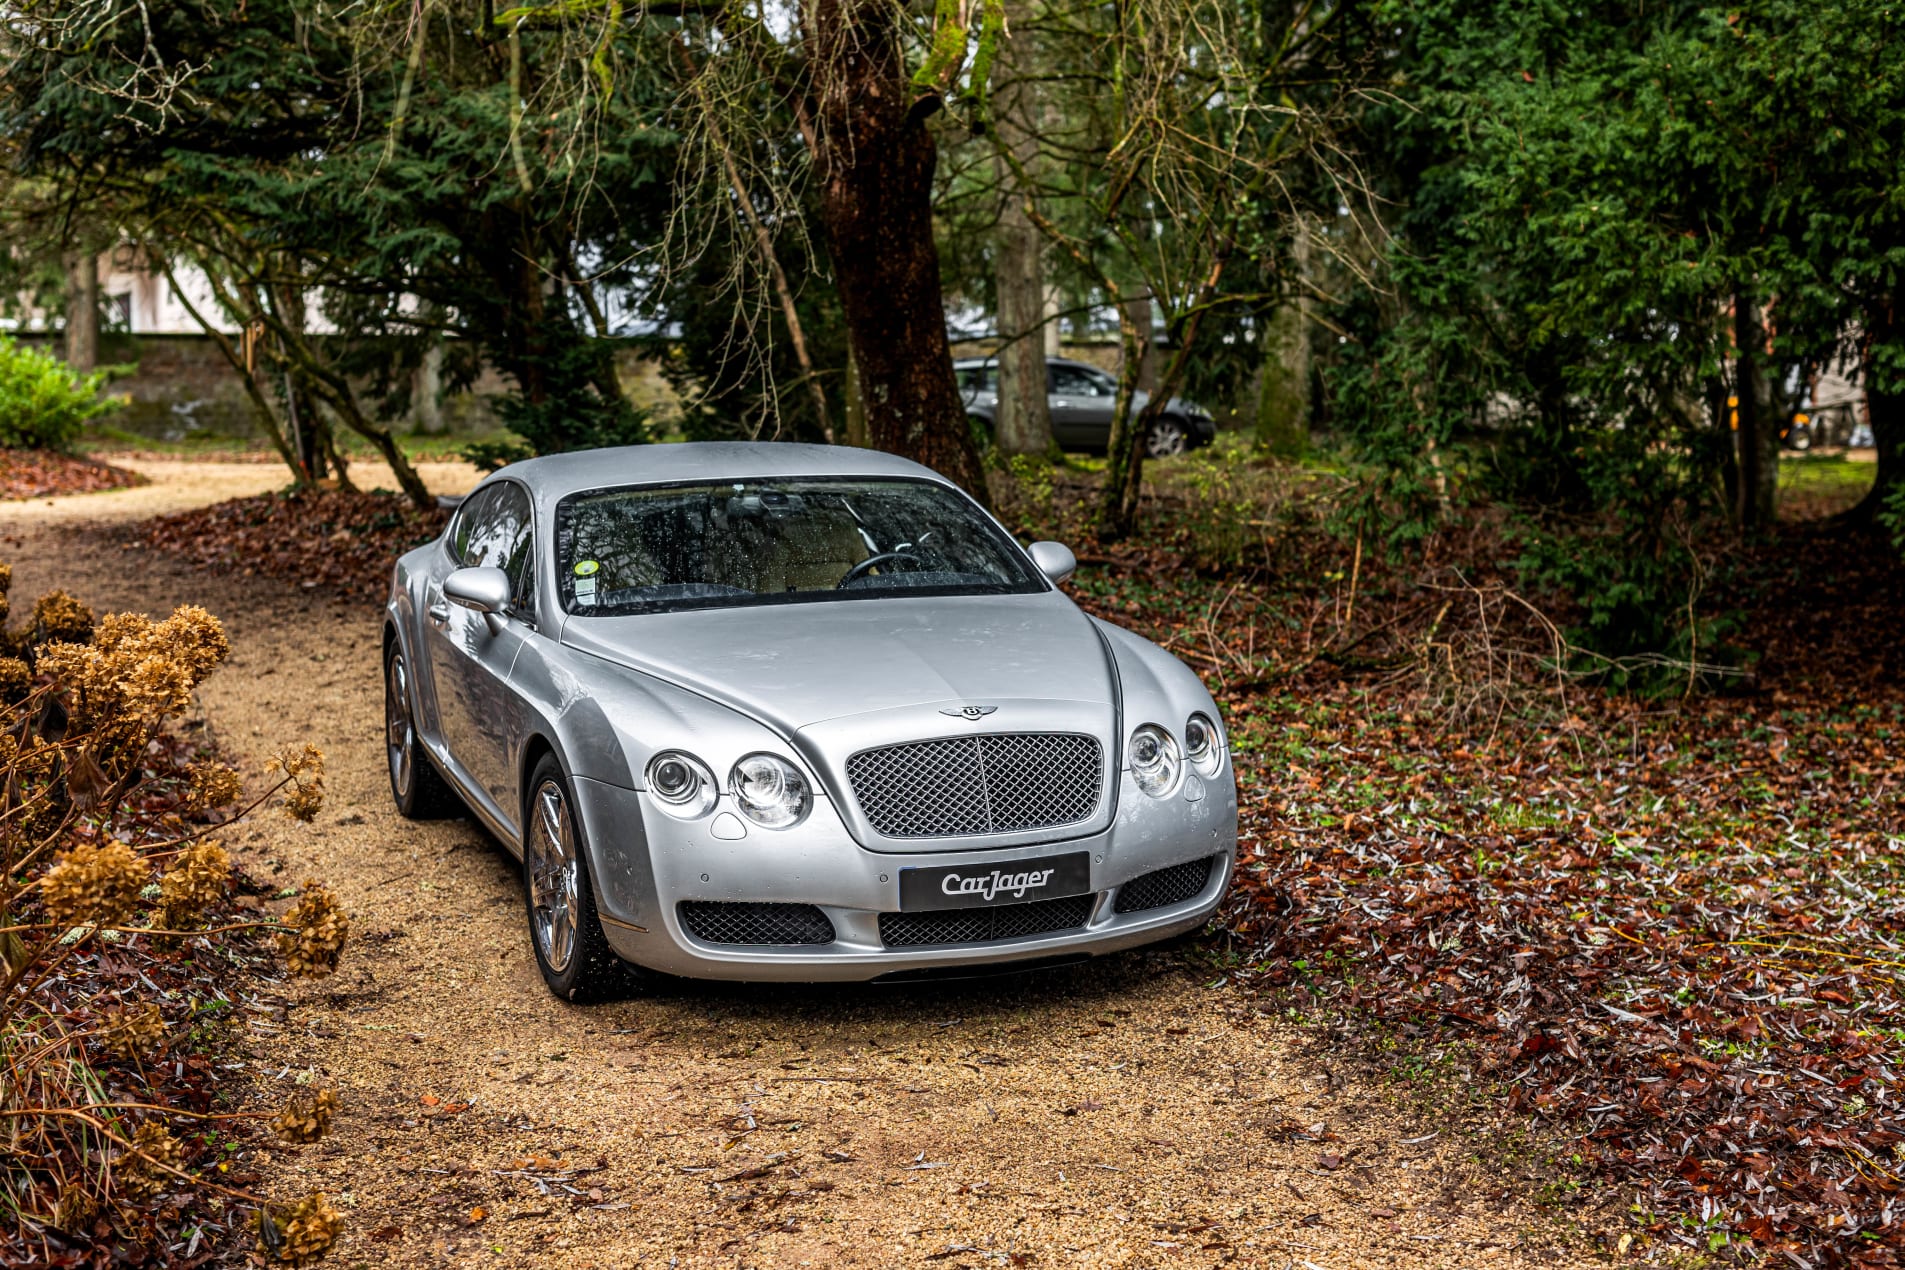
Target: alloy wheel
399	733
552	864
1167	438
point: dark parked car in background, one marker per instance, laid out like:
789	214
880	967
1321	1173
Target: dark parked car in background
1081	398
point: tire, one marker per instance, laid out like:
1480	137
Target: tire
416	786
1799	438
564	932
1168	437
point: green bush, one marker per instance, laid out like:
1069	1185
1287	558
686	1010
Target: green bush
1892	516
43	401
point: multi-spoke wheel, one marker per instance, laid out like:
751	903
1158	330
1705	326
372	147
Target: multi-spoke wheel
1167	437
571	951
419	790
550	867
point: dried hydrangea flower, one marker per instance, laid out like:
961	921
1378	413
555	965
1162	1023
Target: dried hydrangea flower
304	1235
196	638
92	885
58	616
75	1209
210	785
196	881
307	1117
315	932
144	1174
133	1031
305	767
137	666
16	679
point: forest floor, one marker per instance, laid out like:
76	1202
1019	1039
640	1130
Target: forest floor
1148	1109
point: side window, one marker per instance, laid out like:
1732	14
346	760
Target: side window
468	513
501	536
1072	381
978	378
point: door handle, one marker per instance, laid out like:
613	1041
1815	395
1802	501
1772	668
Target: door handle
439	613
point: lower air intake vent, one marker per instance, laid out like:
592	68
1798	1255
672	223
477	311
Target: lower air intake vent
984	925
755	923
1164	888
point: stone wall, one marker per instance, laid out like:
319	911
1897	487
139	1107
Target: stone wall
181	388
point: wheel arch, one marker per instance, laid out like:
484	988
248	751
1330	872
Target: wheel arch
535	749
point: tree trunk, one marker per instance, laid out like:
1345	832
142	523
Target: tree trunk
307	428
1759	468
1144	320
1283	396
427	391
82	312
1884	410
1124	449
856	406
1283	392
875	159
1025	417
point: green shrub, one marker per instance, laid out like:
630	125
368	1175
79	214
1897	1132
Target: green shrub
1892	516
43	401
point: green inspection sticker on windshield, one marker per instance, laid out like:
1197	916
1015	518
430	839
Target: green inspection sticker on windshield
585	571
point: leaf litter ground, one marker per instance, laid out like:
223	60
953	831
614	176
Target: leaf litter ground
1135	1112
1663	934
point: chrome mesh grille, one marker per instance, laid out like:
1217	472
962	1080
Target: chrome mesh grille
722	923
1163	888
993	783
984	925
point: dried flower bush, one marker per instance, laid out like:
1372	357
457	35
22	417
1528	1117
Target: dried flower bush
303	1235
132	1032
307	1117
112	883
197	880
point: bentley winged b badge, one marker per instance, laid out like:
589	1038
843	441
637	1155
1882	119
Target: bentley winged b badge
972	714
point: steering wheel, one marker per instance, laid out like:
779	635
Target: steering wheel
867	565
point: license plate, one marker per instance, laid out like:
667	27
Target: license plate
988	885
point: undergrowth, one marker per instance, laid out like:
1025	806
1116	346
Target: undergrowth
1655	912
125	955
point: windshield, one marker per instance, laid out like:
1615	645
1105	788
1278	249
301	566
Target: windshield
660	548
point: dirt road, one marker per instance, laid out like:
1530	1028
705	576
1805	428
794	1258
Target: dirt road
1128	1113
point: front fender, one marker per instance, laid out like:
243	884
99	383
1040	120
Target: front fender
608	721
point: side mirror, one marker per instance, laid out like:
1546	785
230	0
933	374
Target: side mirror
484	590
1054	559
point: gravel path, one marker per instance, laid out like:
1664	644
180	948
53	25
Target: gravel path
1126	1113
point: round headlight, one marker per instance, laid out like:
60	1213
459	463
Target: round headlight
769	790
680	783
1156	762
1203	745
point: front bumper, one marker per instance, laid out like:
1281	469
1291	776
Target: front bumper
645	864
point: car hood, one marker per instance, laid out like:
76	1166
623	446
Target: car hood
792	665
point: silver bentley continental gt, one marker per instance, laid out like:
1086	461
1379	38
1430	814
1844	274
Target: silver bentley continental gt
791	712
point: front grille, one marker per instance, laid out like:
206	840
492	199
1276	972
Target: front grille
1169	886
995	783
984	925
718	923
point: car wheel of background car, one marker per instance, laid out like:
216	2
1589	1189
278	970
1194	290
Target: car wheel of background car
1167	437
571	951
1799	437
419	789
